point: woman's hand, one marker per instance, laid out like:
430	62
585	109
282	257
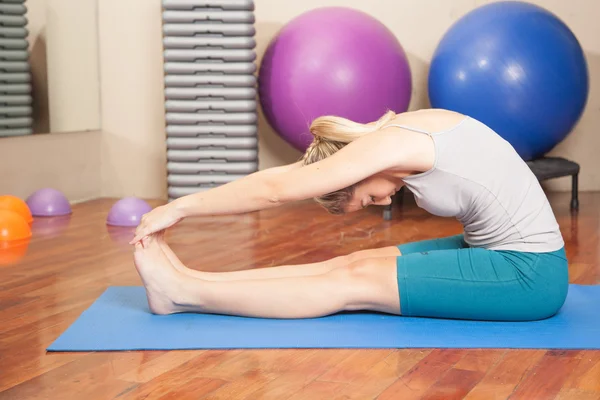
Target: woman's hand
160	218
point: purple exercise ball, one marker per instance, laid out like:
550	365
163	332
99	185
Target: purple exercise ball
48	202
127	212
331	61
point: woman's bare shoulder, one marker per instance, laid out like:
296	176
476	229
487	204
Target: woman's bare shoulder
428	120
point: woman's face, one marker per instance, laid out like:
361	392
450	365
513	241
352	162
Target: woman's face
376	190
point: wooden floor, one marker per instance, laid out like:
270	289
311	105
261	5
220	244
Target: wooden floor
70	261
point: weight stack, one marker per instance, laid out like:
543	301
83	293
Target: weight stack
15	76
210	93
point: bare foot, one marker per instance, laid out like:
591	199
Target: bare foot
175	261
167	289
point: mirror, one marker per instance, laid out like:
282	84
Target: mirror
49	70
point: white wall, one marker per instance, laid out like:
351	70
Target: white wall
63	48
69	162
133	140
73	67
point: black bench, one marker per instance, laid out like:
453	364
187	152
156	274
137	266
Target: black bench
543	168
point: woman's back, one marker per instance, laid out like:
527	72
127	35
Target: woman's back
429	120
478	178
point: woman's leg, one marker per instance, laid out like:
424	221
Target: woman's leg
280	271
368	284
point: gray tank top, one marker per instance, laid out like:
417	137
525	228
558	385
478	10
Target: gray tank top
479	179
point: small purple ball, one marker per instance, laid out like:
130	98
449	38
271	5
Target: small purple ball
127	212
48	202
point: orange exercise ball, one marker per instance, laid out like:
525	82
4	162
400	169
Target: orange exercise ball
13	252
13	226
13	203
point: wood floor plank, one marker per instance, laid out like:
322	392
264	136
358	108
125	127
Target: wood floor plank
555	367
454	385
500	380
586	375
243	387
147	371
355	366
373	381
576	394
193	389
16	372
417	381
228	365
269	360
187	374
320	390
284	386
319	362
480	360
90	376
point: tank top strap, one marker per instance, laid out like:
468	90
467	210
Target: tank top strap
408	128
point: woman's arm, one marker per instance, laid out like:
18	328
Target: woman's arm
236	197
246	194
270	188
358	160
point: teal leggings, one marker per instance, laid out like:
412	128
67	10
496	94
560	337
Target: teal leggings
445	278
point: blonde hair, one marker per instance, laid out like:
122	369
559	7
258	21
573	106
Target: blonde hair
330	135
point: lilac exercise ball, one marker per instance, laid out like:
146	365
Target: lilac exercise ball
127	212
331	61
48	202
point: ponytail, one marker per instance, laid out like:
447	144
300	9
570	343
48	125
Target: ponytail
338	129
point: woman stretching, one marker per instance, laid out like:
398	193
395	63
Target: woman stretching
509	264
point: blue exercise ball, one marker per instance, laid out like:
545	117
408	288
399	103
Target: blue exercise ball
515	67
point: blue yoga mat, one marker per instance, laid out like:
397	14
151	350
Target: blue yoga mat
120	320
